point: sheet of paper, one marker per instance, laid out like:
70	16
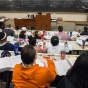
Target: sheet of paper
10	38
71	59
15	60
1	20
5	63
80	42
62	67
40	63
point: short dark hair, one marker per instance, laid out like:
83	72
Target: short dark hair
17	27
54	40
32	41
78	74
85	28
36	35
28	54
60	28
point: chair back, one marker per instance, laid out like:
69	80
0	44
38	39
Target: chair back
59	21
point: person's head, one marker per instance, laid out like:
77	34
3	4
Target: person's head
32	28
3	37
85	28
2	27
28	54
60	28
22	34
78	74
37	34
24	29
32	40
54	40
17	27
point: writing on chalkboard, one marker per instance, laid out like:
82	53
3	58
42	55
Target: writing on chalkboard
44	5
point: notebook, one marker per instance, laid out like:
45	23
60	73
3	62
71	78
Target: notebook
8	63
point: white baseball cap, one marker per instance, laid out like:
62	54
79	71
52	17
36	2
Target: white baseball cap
24	28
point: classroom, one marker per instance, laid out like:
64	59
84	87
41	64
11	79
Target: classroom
43	43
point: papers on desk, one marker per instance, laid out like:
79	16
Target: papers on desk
72	59
8	63
40	63
41	44
48	44
50	34
69	46
62	66
74	33
80	42
83	37
10	38
2	20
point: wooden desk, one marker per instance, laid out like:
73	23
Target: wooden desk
40	22
82	23
77	47
54	58
24	22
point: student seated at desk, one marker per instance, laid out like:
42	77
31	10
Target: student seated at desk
77	76
17	31
55	48
85	32
22	34
37	35
63	35
4	45
32	41
9	31
28	74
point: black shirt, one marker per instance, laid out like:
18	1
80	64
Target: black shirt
84	33
9	32
7	46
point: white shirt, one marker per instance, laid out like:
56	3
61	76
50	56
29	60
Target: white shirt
55	49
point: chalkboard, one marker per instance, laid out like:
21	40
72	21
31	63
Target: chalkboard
44	5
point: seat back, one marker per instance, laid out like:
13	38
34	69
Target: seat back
59	21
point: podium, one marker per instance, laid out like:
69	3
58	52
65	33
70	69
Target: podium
40	22
24	22
43	22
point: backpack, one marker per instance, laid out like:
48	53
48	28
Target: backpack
5	53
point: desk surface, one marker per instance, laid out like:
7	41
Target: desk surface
75	46
81	22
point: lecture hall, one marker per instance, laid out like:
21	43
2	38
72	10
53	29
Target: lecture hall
43	43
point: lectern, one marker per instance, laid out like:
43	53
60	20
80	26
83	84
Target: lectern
40	22
43	22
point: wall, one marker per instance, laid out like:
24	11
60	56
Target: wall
65	16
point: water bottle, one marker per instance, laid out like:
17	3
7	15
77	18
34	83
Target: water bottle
70	34
66	48
16	46
83	44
